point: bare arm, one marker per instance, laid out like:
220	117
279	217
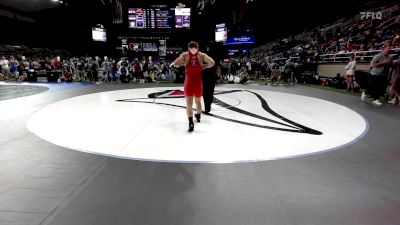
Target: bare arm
210	62
180	61
348	66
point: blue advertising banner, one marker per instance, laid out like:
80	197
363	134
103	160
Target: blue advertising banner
238	40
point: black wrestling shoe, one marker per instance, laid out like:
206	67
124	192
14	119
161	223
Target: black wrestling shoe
191	127
198	117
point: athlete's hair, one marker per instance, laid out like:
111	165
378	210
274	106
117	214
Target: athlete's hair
193	44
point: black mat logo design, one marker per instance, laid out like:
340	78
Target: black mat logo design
291	126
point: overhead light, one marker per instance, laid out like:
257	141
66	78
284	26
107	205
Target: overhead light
55	0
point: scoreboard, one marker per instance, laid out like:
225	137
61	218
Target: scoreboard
157	18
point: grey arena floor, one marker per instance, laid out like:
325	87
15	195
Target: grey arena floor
43	184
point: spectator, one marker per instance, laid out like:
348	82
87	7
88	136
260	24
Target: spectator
338	82
114	70
145	67
106	66
249	68
23	76
396	83
68	75
396	40
14	64
56	63
351	72
288	74
94	67
378	76
24	64
137	68
80	67
349	47
36	65
124	74
5	68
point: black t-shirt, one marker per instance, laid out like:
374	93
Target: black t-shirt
215	56
146	66
42	64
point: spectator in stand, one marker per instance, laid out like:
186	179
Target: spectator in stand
114	70
351	72
95	67
24	64
124	74
249	68
14	64
145	64
234	67
275	73
395	90
73	67
36	65
349	47
68	75
378	78
23	76
288	74
338	82
106	66
5	68
80	67
137	69
88	68
396	40
243	75
395	80
56	63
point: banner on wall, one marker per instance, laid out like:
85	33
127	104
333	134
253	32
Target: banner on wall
149	47
162	48
137	47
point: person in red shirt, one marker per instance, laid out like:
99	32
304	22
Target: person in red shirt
194	62
56	63
137	69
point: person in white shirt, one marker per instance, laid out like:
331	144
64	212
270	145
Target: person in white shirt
5	68
351	72
249	68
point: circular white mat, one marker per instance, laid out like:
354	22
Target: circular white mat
246	126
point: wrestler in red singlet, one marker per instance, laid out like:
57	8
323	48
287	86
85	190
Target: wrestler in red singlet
194	61
193	82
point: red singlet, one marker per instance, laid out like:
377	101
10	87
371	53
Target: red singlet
193	82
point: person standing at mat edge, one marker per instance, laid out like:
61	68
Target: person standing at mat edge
210	77
194	62
379	73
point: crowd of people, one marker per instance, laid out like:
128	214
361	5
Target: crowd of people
369	41
357	35
281	61
87	69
